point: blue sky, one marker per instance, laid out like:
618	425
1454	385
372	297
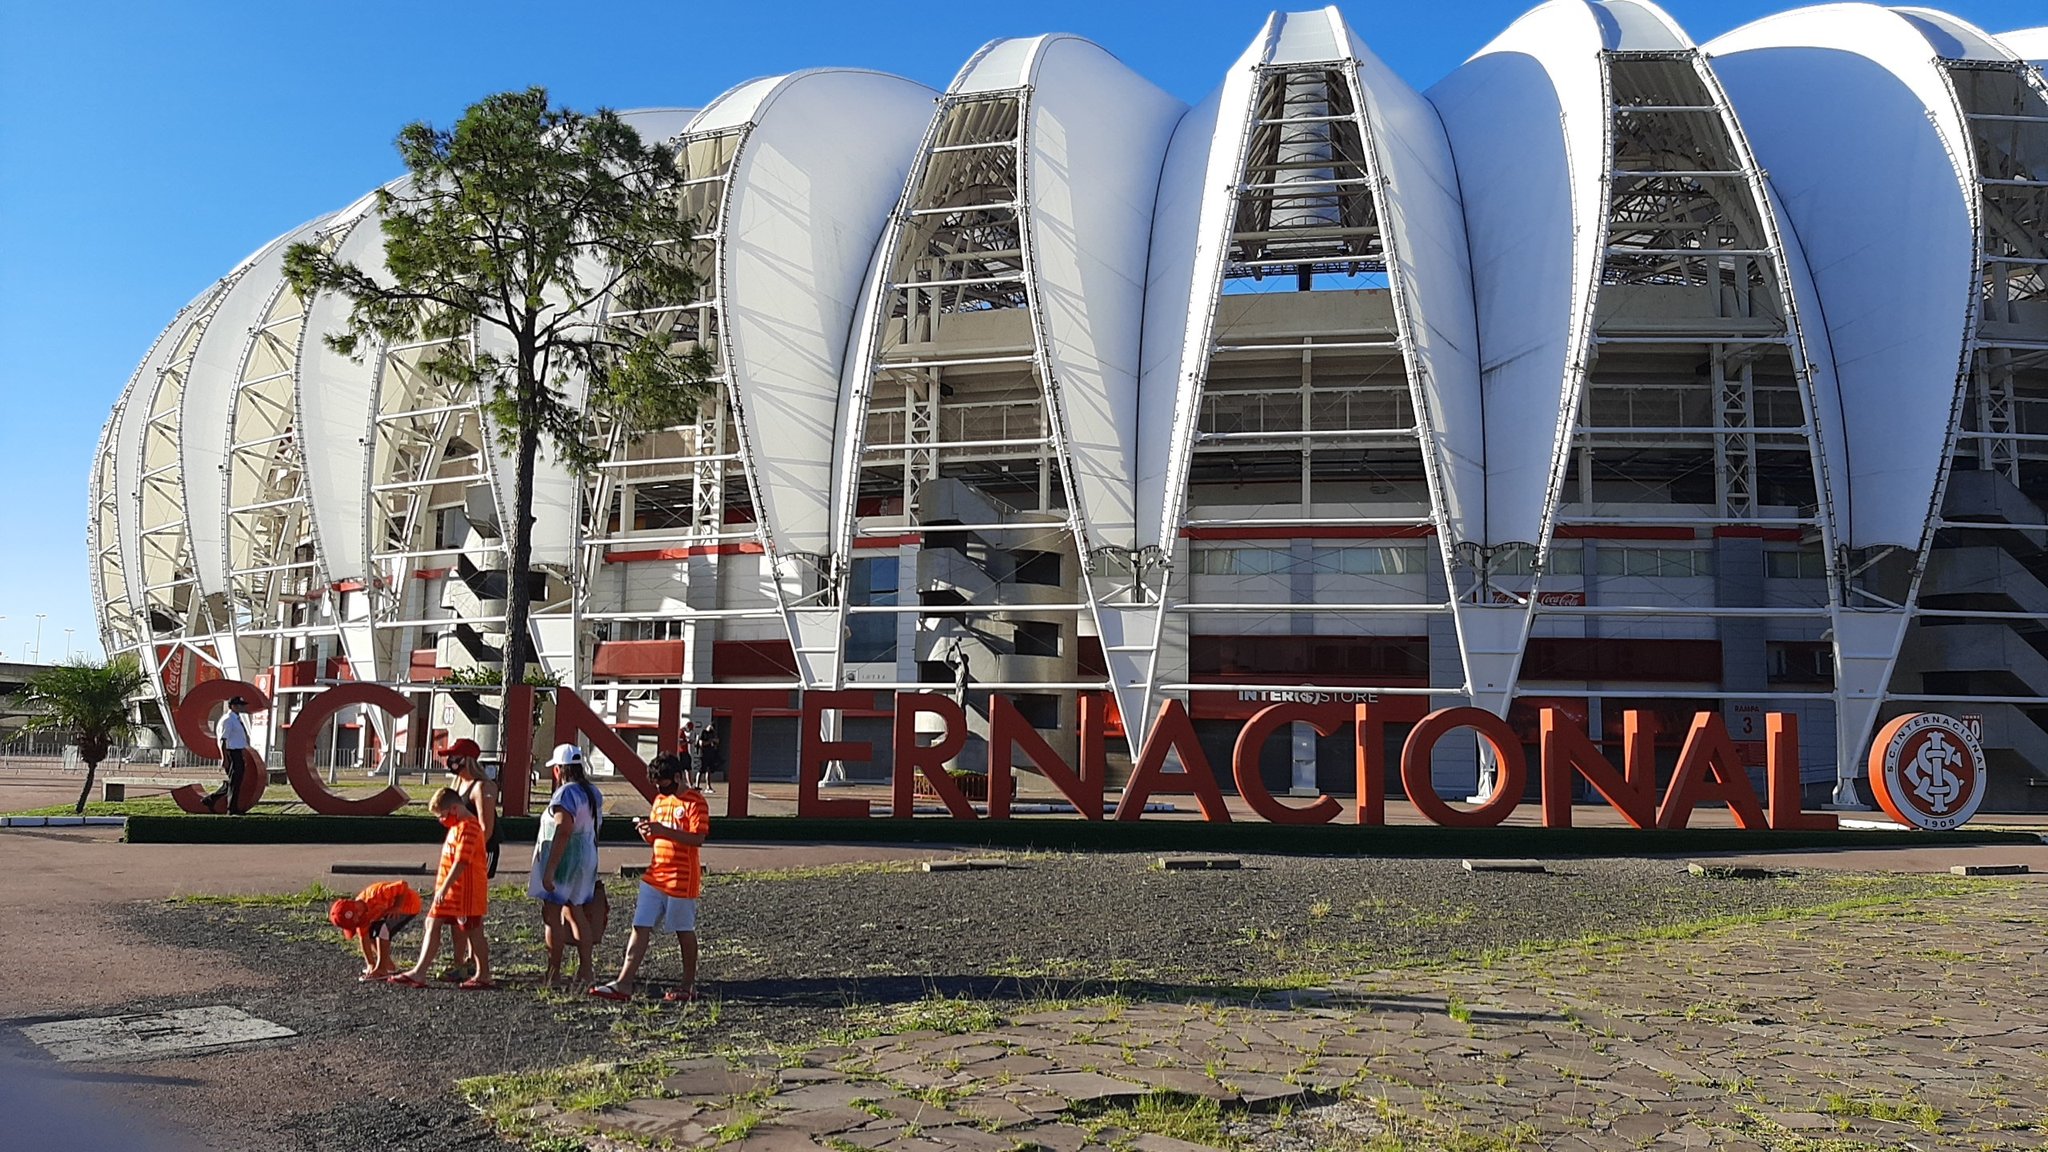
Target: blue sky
145	148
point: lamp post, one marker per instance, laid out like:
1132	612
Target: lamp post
67	644
3	620
38	658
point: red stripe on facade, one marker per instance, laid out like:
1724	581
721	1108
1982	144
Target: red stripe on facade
888	541
742	548
1310	532
1746	532
1623	532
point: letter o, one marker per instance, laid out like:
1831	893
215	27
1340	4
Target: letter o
1507	753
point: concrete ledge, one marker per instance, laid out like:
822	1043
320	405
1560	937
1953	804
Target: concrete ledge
1200	863
1505	866
1733	872
1989	869
358	868
969	864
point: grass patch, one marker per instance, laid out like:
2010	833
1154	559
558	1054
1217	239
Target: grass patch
1905	1109
817	871
152	806
509	1099
314	893
1195	1119
1900	891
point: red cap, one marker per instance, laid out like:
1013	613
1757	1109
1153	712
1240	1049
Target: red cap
462	747
347	915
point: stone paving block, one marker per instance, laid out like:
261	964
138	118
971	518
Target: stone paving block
1185	1081
918	1112
654	1117
1084	1087
1054	1138
994	1110
1012	1063
714	1076
827	1094
771	1138
963	1138
825	1121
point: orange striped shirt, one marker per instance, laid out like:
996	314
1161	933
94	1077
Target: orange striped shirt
674	871
470	894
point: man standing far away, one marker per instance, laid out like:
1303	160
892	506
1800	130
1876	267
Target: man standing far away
233	733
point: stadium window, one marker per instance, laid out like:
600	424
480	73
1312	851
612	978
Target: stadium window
1032	566
1378	561
1656	562
871	636
1801	564
1242	561
1040	709
1037	638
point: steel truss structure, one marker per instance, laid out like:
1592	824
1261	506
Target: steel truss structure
1600	373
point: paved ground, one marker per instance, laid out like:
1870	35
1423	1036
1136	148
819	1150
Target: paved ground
1875	1030
1891	1027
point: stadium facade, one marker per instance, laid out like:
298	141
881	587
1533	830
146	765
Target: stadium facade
1613	372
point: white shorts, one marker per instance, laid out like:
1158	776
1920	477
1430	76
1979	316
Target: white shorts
656	909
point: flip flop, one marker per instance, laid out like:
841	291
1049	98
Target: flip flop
406	980
682	996
474	985
610	992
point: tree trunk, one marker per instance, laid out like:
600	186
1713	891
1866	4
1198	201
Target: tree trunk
92	768
517	599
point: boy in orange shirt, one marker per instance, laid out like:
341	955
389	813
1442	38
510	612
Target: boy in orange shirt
378	913
668	891
461	895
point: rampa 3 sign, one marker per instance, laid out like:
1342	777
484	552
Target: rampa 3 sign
1709	769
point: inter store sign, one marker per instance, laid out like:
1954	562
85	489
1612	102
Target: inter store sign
1709	769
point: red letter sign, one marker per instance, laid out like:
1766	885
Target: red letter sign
1508	777
913	758
190	718
1244	761
816	753
304	737
1173	730
1709	769
1632	792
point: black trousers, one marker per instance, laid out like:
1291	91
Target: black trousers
234	764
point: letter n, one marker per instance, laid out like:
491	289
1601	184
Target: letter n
1567	750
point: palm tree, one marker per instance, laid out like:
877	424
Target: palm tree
88	703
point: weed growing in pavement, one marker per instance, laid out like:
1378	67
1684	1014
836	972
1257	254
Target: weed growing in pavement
506	1097
1905	1109
737	1128
1456	1008
1195	1119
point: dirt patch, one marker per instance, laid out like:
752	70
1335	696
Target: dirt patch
788	955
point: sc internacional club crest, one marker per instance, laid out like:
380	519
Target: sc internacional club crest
1927	771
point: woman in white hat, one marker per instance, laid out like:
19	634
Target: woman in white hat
564	875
